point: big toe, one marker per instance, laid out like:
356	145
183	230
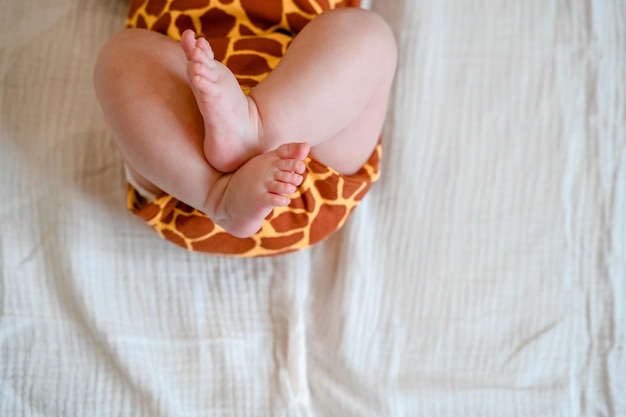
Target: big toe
188	42
294	150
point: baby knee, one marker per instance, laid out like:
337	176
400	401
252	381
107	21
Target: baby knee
372	30
376	30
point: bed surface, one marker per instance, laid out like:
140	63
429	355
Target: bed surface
484	275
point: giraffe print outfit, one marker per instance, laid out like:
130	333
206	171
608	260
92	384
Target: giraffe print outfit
250	37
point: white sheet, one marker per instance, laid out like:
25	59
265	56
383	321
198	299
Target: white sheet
484	275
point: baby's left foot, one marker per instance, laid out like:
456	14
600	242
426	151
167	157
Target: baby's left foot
249	194
231	119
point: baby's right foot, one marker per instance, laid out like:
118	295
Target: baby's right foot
231	119
249	194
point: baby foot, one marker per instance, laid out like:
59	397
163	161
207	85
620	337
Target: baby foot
231	119
262	183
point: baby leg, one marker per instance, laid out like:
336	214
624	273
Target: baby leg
159	132
331	90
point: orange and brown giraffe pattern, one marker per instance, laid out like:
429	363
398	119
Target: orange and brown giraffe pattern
250	37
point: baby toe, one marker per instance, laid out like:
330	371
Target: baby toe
278	187
291	165
288	177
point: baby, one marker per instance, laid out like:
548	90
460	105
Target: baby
186	129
